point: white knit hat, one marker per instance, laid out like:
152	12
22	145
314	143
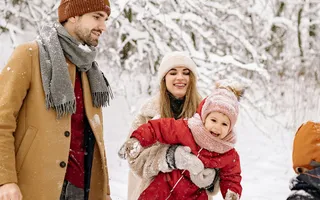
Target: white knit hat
176	59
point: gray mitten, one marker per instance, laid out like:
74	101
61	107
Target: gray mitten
205	178
180	157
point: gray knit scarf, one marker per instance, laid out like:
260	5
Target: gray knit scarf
55	45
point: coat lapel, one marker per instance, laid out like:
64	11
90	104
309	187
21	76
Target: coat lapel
94	114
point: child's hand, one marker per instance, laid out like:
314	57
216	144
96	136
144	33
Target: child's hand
204	179
180	157
130	148
231	196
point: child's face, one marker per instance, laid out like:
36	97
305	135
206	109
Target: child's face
217	124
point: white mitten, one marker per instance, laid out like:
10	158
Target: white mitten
131	148
180	157
231	195
205	178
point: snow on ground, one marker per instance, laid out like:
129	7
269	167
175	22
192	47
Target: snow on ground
265	161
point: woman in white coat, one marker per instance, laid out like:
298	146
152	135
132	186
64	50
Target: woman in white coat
178	98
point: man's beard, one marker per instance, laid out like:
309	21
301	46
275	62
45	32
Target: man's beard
85	36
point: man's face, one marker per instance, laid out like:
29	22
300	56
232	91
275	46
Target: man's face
90	26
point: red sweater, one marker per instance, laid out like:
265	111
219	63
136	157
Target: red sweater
170	131
75	169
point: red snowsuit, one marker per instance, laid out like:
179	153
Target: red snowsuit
170	131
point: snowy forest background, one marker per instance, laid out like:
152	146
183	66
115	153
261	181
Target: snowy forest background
272	46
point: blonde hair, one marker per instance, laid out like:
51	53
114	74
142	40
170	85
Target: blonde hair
192	100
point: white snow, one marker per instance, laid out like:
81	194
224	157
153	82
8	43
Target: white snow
96	120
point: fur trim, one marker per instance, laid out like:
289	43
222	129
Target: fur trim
151	108
231	195
161	157
146	168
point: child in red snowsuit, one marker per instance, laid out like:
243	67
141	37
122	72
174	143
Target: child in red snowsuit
209	134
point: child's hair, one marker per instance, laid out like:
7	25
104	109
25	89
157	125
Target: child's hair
224	99
306	148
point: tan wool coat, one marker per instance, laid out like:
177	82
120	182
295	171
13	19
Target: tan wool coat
33	142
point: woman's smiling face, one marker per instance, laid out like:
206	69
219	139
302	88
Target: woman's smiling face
177	81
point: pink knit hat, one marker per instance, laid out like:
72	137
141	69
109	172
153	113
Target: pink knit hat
221	100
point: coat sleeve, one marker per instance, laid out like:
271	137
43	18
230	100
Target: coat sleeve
142	117
146	164
15	80
156	136
166	131
138	121
230	176
304	186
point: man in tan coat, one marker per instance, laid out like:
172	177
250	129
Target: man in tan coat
51	94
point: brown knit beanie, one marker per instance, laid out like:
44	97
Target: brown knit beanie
71	8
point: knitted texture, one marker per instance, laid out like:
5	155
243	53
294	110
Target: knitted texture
224	101
71	8
206	140
176	59
205	178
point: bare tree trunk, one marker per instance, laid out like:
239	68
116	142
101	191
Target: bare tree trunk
277	47
299	34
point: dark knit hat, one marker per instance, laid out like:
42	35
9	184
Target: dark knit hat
71	8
